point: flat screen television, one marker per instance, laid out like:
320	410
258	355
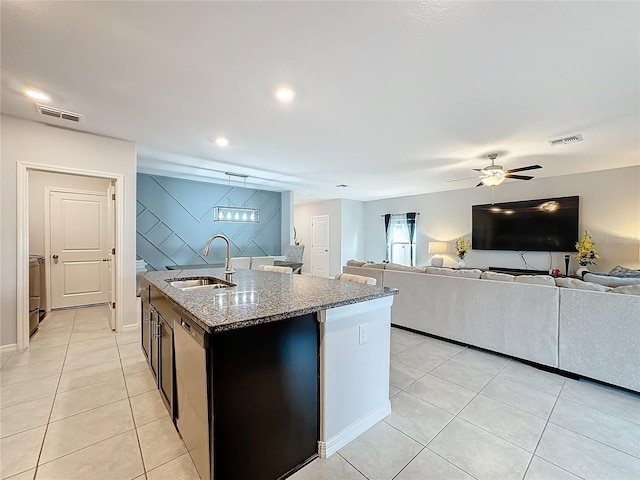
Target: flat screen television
548	224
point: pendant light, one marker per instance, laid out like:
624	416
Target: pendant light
222	213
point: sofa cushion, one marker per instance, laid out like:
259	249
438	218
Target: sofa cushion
452	272
536	280
624	272
439	271
499	277
404	268
580	285
467	273
381	266
627	289
611	280
354	263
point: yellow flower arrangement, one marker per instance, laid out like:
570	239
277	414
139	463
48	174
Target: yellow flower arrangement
462	246
587	254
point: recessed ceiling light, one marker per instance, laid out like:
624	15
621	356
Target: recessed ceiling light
37	95
285	94
222	141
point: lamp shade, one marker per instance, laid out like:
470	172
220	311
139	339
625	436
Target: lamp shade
437	247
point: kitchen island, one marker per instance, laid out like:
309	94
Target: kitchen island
277	368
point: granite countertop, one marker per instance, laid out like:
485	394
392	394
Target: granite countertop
260	297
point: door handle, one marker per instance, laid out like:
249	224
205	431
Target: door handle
55	257
105	259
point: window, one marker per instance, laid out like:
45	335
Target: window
401	238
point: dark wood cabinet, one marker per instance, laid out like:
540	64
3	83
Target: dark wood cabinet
265	405
157	342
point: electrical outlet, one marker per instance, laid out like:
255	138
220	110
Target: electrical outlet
363	333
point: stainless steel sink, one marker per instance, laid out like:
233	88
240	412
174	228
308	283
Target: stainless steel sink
191	283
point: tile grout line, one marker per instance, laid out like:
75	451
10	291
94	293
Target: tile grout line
133	418
55	395
79	413
542	434
454	416
595	440
354	467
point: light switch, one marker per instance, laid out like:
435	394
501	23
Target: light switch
363	333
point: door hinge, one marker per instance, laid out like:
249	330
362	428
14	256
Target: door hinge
113	251
113	196
113	304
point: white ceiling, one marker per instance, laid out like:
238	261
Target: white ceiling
392	98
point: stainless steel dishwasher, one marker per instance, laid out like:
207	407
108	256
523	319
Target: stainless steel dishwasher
191	384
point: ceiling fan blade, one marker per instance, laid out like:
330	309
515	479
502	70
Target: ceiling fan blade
477	169
480	184
519	177
458	179
522	169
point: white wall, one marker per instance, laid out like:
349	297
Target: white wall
346	230
352	241
37	143
286	231
609	209
38	181
302	221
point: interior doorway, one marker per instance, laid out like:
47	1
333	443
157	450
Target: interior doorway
114	261
320	254
77	247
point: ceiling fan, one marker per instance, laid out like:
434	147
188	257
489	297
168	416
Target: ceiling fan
493	174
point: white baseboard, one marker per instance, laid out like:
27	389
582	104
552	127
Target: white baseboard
12	347
357	428
133	326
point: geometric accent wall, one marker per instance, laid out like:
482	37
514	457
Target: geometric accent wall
174	219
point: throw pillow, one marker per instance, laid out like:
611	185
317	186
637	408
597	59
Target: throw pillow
536	280
580	285
619	271
611	280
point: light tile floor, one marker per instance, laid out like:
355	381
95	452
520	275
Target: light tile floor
460	413
81	403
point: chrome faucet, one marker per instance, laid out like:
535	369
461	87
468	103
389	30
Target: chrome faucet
228	270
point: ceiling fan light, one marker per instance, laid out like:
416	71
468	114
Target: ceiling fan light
493	180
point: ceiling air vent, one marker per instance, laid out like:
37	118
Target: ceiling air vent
57	113
566	140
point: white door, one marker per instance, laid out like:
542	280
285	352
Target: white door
79	249
111	234
320	246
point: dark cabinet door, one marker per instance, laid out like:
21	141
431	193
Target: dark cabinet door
167	369
265	399
155	344
147	316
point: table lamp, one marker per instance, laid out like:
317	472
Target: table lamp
437	248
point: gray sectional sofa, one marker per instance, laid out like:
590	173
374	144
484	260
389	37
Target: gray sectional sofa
579	329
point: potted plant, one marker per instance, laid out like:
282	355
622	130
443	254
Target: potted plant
462	247
587	254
